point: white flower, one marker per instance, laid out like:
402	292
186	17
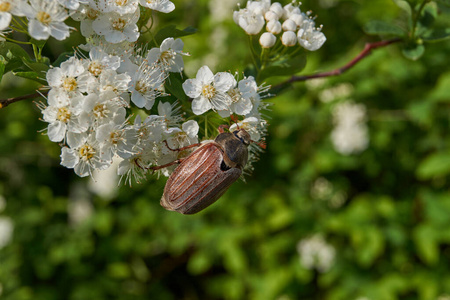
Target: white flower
309	37
144	85
110	81
168	56
116	139
350	134
241	98
104	108
170	113
9	8
164	6
85	158
64	115
289	38
251	22
70	77
187	135
86	14
117	28
100	60
277	9
315	253
271	16
70	4
209	91
290	10
267	40
6	231
122	7
46	18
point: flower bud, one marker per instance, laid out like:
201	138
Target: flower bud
270	15
298	19
290	10
289	25
277	8
267	40
273	27
289	38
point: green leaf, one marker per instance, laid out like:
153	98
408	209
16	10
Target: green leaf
62	58
39	43
435	165
172	31
284	68
445	2
381	28
427	245
30	75
2	66
174	86
14	55
436	35
413	51
429	15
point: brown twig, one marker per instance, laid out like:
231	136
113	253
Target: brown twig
365	52
5	102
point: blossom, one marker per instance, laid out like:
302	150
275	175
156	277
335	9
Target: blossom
64	115
168	56
117	28
164	6
99	60
209	91
84	158
144	85
9	8
184	136
122	7
116	139
316	253
350	135
46	18
309	37
267	40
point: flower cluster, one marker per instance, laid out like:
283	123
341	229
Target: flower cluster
288	24
350	134
316	253
94	96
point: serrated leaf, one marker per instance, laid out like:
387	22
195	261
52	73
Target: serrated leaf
381	28
436	164
437	35
284	68
172	31
413	52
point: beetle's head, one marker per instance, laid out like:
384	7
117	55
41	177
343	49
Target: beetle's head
243	136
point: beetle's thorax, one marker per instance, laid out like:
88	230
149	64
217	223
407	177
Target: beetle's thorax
234	146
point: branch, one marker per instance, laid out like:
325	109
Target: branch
5	102
366	51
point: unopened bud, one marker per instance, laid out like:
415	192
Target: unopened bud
273	27
289	25
277	8
289	38
267	40
297	18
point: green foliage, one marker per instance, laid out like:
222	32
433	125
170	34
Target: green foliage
385	211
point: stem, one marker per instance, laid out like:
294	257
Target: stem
254	55
5	102
365	52
416	19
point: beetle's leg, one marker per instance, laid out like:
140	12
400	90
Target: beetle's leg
154	168
221	127
235	119
182	148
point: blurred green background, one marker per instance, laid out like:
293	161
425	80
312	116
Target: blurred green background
310	223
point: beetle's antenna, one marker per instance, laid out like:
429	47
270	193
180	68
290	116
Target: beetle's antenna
262	144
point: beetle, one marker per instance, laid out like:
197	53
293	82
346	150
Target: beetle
206	174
